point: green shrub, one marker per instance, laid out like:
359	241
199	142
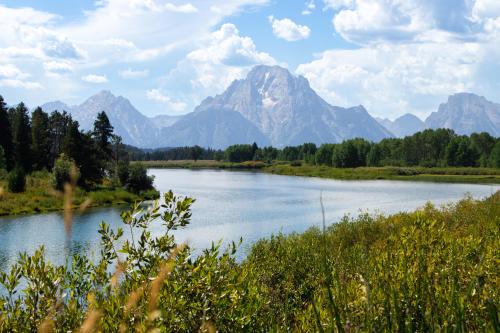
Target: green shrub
138	179
122	172
17	180
62	172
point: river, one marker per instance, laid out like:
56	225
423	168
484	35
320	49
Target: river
233	204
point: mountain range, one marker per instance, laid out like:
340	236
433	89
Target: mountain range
273	107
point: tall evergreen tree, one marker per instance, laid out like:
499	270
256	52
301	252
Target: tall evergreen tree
6	134
40	144
103	133
58	125
21	136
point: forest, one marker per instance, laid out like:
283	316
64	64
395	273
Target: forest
31	144
429	148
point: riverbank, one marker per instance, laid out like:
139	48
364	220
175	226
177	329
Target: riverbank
40	197
444	175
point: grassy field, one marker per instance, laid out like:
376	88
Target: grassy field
202	164
40	197
450	175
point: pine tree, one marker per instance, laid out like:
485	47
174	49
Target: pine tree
6	134
40	144
58	125
103	133
21	136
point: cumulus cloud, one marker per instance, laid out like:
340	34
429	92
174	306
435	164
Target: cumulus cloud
133	74
288	30
392	79
174	106
210	69
226	57
10	71
93	78
12	77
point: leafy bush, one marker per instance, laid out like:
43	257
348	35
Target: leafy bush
138	179
17	180
122	172
65	171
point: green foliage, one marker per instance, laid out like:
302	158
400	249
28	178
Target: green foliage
21	136
495	156
196	152
324	154
430	270
3	161
103	133
138	179
40	140
17	180
5	133
239	153
64	170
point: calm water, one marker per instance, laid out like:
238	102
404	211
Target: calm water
230	205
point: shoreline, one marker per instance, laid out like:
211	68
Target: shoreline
438	175
39	197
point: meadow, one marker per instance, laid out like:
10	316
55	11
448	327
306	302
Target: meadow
41	197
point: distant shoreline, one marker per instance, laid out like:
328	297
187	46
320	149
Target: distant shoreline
471	175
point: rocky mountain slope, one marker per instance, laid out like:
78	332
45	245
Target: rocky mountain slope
467	113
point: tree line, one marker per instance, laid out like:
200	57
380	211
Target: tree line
429	148
54	142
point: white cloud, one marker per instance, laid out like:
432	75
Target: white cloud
93	78
227	57
210	69
392	79
57	67
288	30
133	74
310	6
13	77
10	71
174	106
157	6
187	8
15	83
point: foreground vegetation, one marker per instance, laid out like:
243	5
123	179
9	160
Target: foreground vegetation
435	269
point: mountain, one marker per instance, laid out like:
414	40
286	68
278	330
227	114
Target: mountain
405	125
212	128
467	113
164	120
134	128
288	112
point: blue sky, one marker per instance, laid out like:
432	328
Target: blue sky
392	56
